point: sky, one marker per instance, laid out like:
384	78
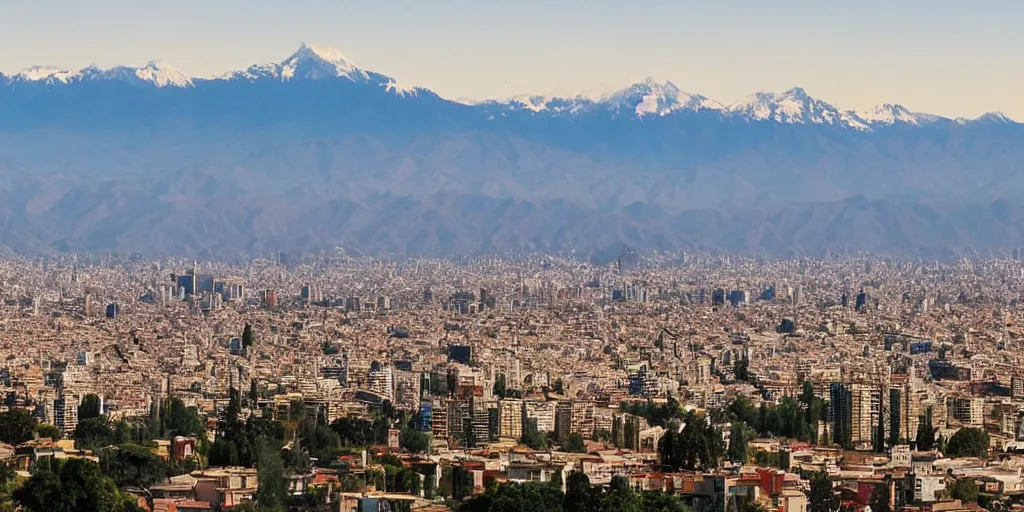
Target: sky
954	58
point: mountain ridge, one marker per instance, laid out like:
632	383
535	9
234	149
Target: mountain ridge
315	151
662	98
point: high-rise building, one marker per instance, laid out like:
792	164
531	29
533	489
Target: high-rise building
439	418
381	380
543	413
65	413
510	418
840	413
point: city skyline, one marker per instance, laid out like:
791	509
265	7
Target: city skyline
952	60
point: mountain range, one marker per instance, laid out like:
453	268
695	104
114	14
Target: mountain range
315	152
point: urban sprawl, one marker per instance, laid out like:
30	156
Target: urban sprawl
666	382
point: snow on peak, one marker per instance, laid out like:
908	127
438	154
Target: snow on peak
651	97
155	73
45	74
401	90
160	74
888	114
316	62
793	106
995	117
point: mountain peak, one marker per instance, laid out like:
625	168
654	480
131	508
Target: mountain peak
889	114
995	117
45	74
161	74
796	92
793	106
653	97
315	62
325	54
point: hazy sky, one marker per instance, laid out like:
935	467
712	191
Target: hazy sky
956	58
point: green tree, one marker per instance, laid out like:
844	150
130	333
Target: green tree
620	497
271	479
741	369
968	442
353	431
248	338
122	432
516	497
579	493
223	453
131	465
574	443
532	438
50	431
925	433
739	439
499	385
655	501
16	426
89	408
963	489
822	496
179	420
94	433
8	483
74	485
414	441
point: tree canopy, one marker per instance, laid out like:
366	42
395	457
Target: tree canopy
74	485
968	442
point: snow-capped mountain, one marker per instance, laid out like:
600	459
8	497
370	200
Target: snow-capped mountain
889	114
310	63
313	151
649	98
155	73
794	106
653	98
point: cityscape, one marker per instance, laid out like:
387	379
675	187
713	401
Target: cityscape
684	381
530	256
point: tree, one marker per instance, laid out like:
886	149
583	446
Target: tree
248	338
354	431
925	433
574	443
532	438
822	497
879	500
655	501
89	408
75	484
620	498
414	441
741	369
254	393
94	433
579	494
50	431
963	489
271	479
16	426
515	497
499	385
223	453
131	465
739	438
968	442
